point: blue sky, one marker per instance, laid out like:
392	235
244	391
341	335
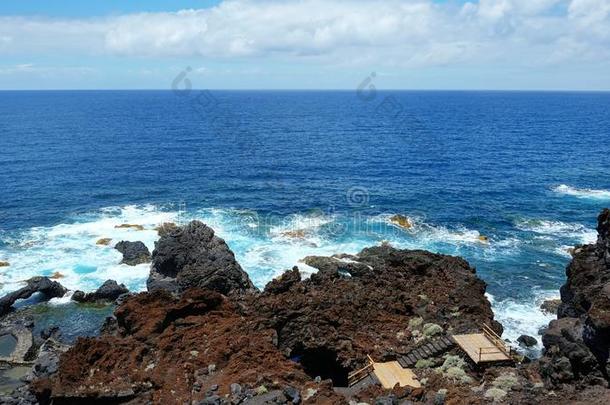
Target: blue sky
91	8
306	44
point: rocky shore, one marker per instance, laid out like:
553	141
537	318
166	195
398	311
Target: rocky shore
203	334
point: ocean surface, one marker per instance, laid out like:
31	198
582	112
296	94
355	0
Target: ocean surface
285	174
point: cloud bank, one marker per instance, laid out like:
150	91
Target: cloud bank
509	44
387	32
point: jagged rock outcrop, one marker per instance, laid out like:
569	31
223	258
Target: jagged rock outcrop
107	292
578	343
359	305
134	253
193	256
270	345
50	289
172	350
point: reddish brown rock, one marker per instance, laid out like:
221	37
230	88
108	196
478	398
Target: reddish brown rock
165	347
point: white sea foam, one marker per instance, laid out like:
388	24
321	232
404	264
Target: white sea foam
575	231
426	234
70	249
261	245
582	192
523	317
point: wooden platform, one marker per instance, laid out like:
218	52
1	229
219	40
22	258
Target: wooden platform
486	347
391	373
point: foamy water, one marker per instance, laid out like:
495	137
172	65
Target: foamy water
524	317
558	229
582	192
266	246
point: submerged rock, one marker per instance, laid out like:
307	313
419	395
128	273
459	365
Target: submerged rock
49	289
193	256
550	306
4	264
130	226
165	228
401	221
103	241
108	292
527	341
134	253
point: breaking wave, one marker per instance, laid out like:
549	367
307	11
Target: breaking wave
582	192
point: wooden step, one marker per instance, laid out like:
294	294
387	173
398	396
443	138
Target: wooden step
403	362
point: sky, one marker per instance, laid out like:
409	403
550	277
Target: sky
305	44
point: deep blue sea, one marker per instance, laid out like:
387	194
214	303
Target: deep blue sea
285	174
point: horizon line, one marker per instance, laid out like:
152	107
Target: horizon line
324	90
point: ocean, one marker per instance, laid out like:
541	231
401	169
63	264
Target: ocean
508	180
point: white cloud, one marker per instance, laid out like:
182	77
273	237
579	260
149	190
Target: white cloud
384	32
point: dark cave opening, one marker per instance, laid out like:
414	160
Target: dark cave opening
322	362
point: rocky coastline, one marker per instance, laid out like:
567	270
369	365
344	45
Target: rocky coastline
203	334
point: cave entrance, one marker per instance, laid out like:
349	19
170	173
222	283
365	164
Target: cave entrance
323	363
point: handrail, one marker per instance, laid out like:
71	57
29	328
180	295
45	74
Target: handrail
359	374
497	340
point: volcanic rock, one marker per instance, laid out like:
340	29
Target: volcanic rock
165	228
550	306
103	241
134	253
153	353
130	226
107	292
363	305
527	341
295	340
401	221
192	256
582	334
284	282
49	289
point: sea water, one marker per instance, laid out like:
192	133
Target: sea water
508	180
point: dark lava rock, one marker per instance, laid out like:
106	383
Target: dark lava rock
578	343
50	332
201	345
338	319
108	292
292	394
550	306
192	256
50	289
527	341
283	282
134	253
47	362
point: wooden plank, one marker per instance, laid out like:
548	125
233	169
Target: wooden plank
403	362
480	348
391	373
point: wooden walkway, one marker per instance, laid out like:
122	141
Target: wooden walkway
391	373
486	347
388	374
429	349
